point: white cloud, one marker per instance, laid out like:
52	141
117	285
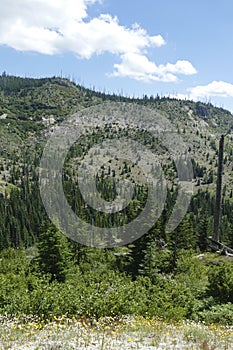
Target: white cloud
139	67
135	66
213	89
180	67
210	92
104	34
58	26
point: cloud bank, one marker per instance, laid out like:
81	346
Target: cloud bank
138	66
205	92
58	26
213	89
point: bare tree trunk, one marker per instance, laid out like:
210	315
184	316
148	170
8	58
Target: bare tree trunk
218	203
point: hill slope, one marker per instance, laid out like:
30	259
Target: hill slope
31	108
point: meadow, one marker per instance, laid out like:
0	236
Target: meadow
111	334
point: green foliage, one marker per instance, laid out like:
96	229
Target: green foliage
171	300
94	292
54	255
156	261
222	314
95	289
191	271
221	282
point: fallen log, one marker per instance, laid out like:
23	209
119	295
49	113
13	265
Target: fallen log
224	249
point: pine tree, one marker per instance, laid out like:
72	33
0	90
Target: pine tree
204	231
54	254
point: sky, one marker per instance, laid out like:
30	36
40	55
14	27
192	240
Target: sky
175	48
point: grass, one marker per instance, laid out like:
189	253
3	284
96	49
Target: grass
111	334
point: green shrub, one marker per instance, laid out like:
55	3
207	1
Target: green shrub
14	261
222	314
171	300
191	272
221	282
14	297
95	291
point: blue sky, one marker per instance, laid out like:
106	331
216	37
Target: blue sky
174	47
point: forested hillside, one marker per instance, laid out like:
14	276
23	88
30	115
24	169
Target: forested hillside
160	274
29	109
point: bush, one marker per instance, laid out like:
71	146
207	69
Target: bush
95	295
14	261
171	300
97	292
221	282
191	272
222	314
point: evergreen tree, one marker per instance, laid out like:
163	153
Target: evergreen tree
54	254
183	237
157	260
204	231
